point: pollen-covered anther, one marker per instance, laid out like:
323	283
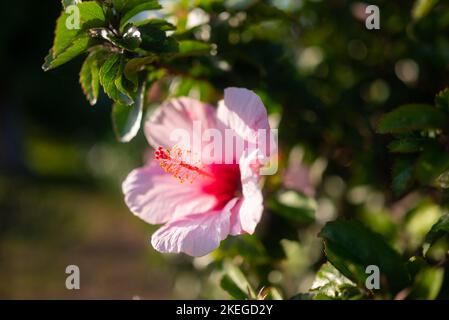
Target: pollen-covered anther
174	161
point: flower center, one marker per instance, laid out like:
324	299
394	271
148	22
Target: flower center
174	161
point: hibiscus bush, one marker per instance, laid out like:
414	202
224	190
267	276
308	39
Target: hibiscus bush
353	123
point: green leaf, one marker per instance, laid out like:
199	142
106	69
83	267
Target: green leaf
407	145
439	229
78	46
126	119
161	24
330	283
351	247
123	6
90	75
131	10
293	206
192	47
412	117
110	71
427	284
235	283
402	175
156	41
432	162
67	42
422	7
134	65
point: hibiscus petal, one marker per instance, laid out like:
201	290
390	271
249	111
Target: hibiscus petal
244	112
196	234
236	226
157	197
251	207
175	115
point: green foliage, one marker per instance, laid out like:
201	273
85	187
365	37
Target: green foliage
71	42
412	117
121	50
351	247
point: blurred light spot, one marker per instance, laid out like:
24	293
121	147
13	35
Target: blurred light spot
234	22
234	37
310	58
357	50
275	276
187	286
241	16
334	186
407	70
196	17
326	210
375	201
358	11
214	49
274	119
358	195
224	16
224	65
204	32
316	170
378	92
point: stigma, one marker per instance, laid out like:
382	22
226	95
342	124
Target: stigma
179	163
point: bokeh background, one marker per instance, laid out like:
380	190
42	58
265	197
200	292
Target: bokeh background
320	72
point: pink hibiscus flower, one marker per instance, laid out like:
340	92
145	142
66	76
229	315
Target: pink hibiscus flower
200	197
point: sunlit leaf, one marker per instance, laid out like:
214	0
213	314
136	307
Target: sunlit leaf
70	42
90	75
